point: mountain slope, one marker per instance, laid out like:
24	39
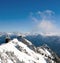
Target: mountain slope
52	41
17	52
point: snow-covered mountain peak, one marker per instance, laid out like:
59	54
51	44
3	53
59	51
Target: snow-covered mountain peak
14	40
16	51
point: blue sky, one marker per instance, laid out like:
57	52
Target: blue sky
16	15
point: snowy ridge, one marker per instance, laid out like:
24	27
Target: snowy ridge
17	52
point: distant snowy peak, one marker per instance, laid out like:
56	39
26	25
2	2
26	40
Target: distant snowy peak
52	34
11	34
43	34
27	34
16	51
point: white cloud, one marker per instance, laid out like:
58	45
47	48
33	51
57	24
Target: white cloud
45	24
38	16
47	14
